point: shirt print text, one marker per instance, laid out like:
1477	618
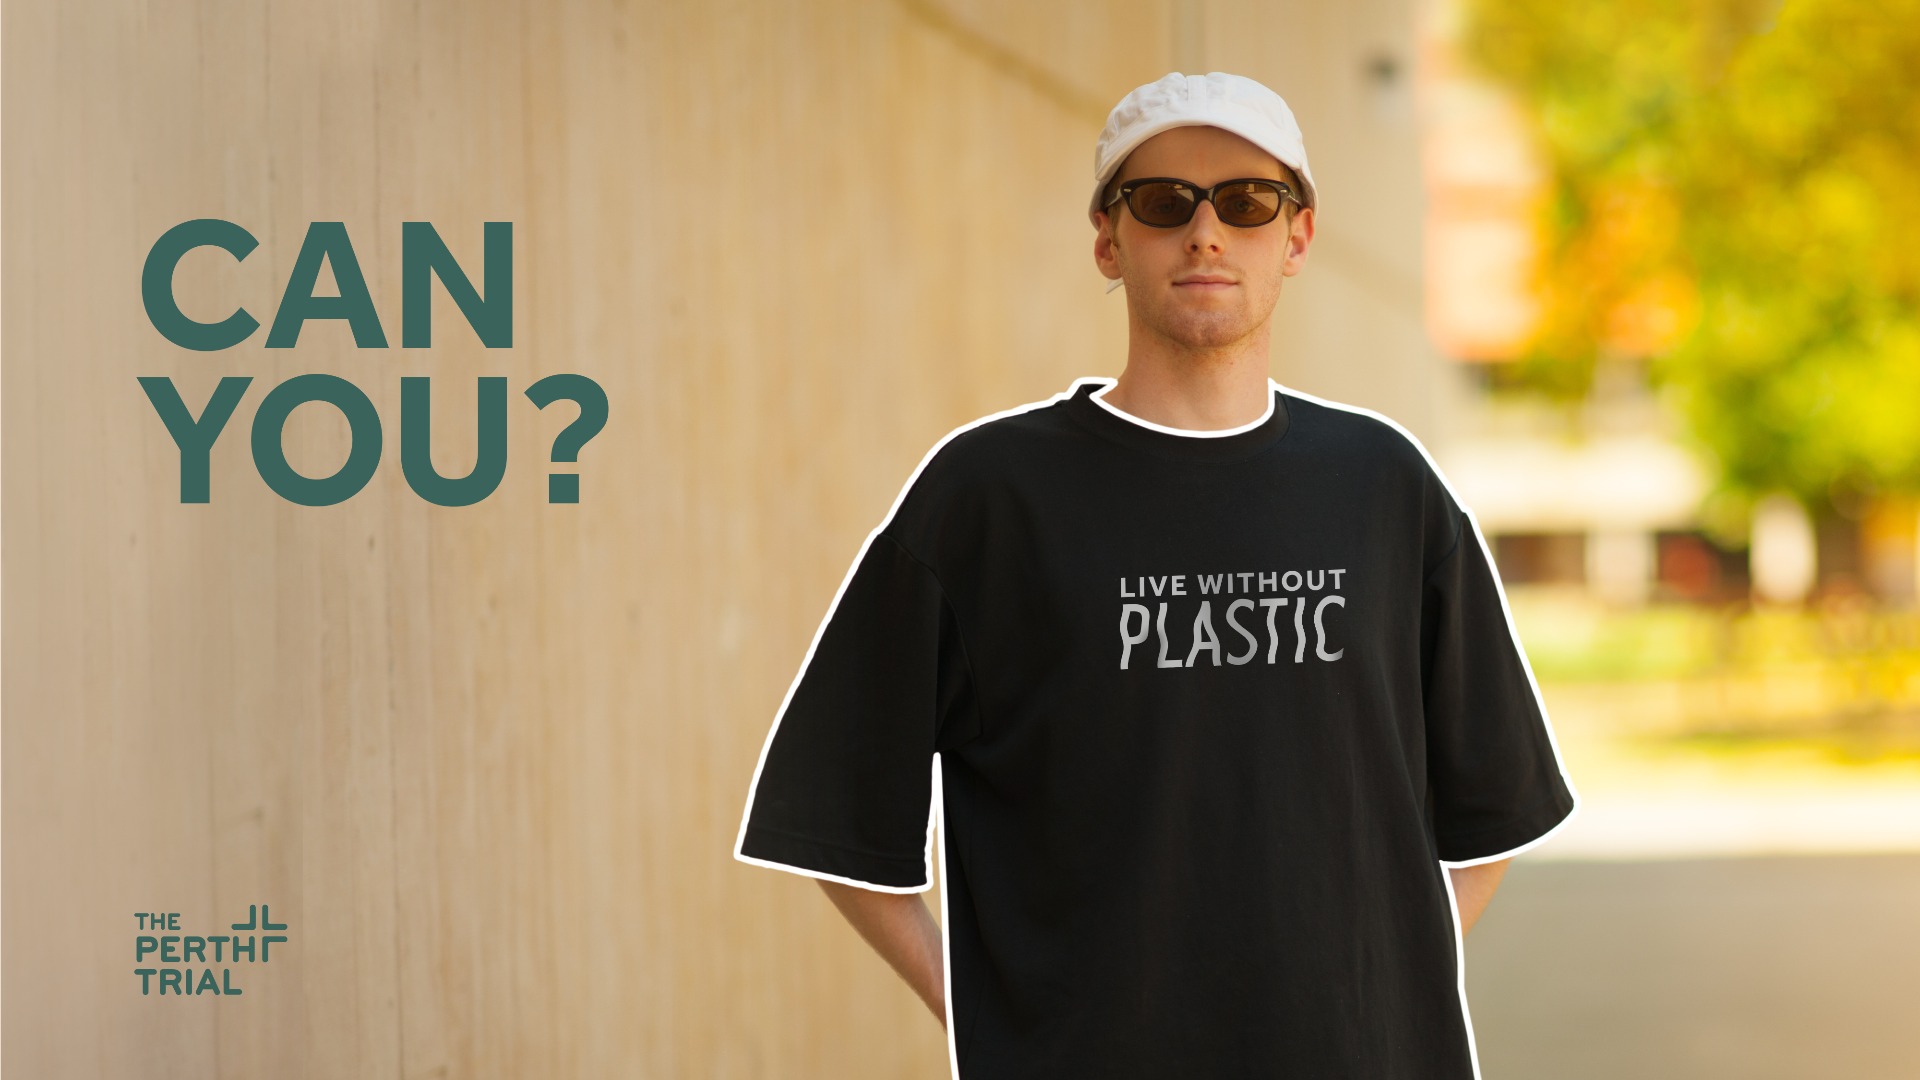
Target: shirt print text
1258	598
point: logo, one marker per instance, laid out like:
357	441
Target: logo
206	951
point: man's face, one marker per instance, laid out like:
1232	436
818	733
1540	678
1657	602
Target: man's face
1157	264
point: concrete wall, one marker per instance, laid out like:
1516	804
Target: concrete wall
488	762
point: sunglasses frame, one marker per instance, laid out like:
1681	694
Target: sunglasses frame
1125	194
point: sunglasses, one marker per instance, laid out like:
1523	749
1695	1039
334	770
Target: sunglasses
1164	202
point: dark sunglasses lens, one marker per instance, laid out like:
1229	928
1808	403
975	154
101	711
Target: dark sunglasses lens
1162	204
1247	204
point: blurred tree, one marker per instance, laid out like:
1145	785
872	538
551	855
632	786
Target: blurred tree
1735	200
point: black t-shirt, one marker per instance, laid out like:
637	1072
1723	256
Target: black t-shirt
1210	710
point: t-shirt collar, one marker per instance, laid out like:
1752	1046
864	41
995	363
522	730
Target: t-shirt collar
1088	407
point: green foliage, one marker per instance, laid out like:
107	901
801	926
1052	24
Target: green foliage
1746	169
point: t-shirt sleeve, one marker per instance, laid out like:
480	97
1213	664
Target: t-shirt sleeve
844	789
1494	778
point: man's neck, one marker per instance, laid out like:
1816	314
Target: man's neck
1195	390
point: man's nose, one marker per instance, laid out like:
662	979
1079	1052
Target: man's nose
1205	230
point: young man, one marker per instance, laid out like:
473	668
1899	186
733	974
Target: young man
1233	734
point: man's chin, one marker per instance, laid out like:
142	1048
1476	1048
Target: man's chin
1199	331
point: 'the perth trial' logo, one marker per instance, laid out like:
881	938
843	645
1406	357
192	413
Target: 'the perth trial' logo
186	949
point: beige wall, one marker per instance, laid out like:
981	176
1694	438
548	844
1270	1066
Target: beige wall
488	762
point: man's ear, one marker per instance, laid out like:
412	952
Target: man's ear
1299	236
1106	240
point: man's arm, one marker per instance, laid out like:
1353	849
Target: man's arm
1473	886
901	929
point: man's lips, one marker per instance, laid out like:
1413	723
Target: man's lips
1204	283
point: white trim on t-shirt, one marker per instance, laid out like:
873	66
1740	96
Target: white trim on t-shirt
1192	433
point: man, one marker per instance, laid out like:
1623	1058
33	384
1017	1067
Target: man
1219	675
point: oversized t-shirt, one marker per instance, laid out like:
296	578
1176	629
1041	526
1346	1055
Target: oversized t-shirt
1210	710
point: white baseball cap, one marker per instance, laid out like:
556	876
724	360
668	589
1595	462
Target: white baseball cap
1229	102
